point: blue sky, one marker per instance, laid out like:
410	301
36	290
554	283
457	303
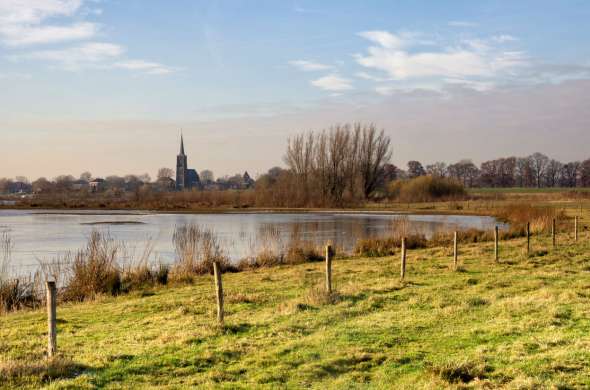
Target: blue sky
121	77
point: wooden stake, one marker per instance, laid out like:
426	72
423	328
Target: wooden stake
403	260
528	238
329	269
51	319
553	233
455	254
218	291
496	239
576	229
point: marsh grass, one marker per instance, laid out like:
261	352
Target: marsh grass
196	250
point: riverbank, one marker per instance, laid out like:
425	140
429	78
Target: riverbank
523	322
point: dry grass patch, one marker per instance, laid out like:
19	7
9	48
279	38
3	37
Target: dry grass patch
44	371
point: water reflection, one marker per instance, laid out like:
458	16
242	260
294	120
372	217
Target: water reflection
41	235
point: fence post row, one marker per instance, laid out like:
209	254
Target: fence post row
455	254
51	319
403	259
218	291
329	269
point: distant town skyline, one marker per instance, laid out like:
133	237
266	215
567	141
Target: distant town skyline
106	86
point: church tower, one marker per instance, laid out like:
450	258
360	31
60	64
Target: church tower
181	168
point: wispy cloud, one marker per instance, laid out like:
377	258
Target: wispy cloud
504	38
462	23
30	23
333	82
472	60
24	22
309	66
17	35
145	66
93	54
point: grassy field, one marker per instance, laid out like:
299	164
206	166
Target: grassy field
522	323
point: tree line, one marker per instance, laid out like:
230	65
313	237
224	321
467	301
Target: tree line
344	164
536	170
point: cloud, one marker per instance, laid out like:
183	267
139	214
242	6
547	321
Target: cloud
144	66
384	39
504	38
30	22
16	35
367	76
333	82
93	54
23	22
35	11
401	58
462	23
309	66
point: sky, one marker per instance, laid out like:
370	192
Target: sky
107	86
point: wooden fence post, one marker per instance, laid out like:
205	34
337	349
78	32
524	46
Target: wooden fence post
455	254
496	239
553	233
51	319
528	239
329	269
218	291
403	259
576	228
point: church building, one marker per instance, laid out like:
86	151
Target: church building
186	178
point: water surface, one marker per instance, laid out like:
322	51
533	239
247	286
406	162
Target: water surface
40	235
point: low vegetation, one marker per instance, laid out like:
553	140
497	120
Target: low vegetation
426	189
520	323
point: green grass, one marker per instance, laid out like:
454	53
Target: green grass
521	323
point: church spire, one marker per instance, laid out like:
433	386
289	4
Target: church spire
181	145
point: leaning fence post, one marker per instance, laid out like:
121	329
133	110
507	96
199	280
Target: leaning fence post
455	254
576	228
51	319
403	259
496	239
329	269
218	291
528	238
553	232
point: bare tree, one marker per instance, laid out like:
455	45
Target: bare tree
415	169
438	169
539	164
552	172
165	173
87	176
206	176
374	153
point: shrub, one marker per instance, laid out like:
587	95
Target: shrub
94	270
426	188
16	294
196	251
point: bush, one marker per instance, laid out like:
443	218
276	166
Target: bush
94	270
426	189
196	251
